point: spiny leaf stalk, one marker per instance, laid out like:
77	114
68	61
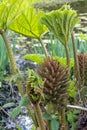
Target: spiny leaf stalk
82	60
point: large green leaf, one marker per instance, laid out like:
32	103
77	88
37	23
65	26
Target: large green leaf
28	24
38	58
16	111
10	10
54	124
61	22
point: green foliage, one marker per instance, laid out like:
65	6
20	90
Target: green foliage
8	105
53	121
38	58
28	24
47	116
33	128
34	79
85	95
2	128
18	127
72	89
34	87
3	58
72	117
83	37
54	124
9	11
3	55
24	101
50	108
55	48
16	111
63	61
1	1
61	22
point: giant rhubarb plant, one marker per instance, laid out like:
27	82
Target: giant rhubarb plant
28	24
61	22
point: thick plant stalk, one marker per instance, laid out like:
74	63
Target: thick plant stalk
32	115
75	58
15	71
9	51
67	54
12	59
43	47
39	116
63	115
76	67
63	120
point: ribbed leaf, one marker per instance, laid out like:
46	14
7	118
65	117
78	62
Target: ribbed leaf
61	22
10	10
28	24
